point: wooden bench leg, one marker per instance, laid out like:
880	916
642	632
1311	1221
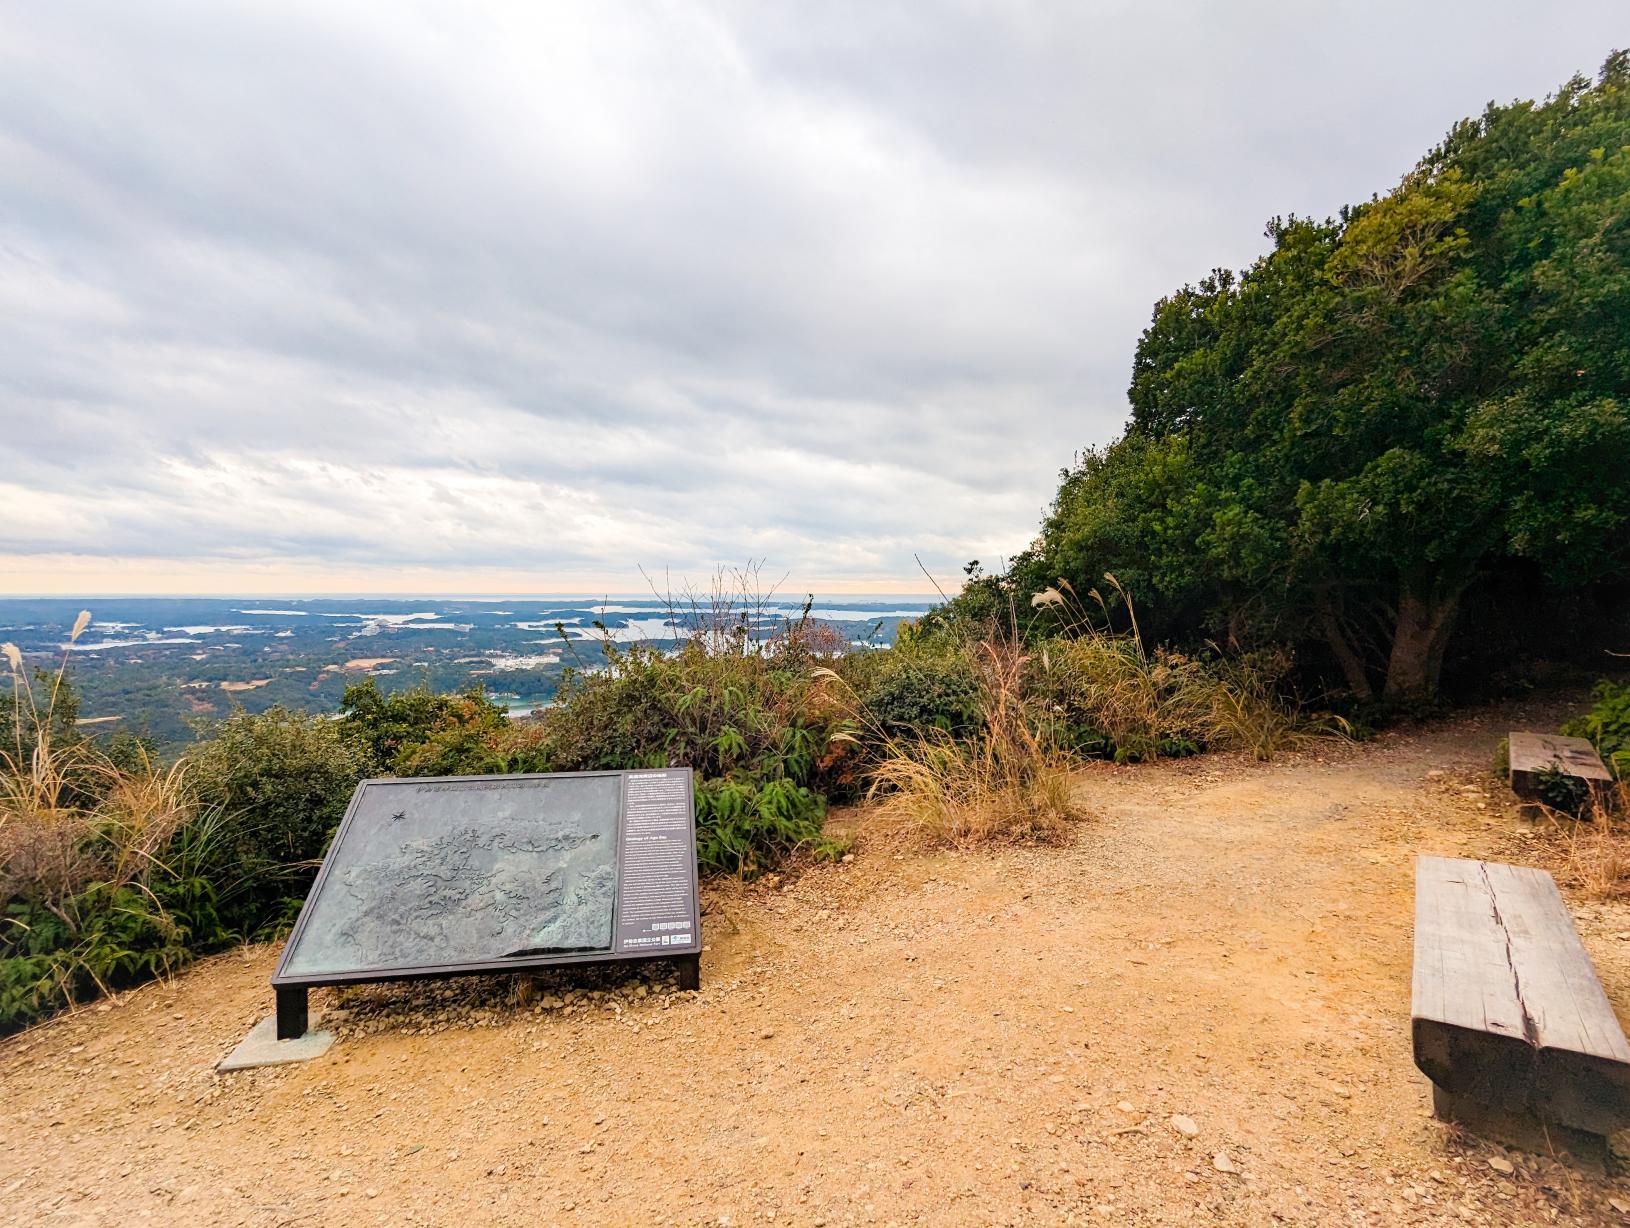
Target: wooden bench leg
1523	1131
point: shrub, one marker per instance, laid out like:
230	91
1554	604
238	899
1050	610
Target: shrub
1007	781
419	733
1561	791
282	780
744	715
918	691
742	828
1607	724
108	937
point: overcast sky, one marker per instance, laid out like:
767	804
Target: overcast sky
517	298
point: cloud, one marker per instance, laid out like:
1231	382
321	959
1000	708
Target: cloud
551	292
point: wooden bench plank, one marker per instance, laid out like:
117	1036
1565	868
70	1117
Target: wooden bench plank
1507	1007
1558	983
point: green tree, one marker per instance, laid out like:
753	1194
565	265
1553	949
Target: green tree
419	733
1342	440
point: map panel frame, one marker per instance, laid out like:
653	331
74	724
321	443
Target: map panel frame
683	943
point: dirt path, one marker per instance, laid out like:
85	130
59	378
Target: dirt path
980	1038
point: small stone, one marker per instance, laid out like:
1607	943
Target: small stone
1126	1106
1501	1165
371	1192
1223	1164
1191	1176
1186	1126
1619	1205
847	858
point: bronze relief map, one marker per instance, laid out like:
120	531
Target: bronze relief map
439	872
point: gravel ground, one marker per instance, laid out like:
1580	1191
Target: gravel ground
1196	1012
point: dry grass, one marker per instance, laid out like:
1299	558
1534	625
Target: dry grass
944	791
1090	686
70	816
1241	709
1146	703
1005	784
1597	846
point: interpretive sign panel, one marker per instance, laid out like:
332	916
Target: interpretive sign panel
656	895
450	875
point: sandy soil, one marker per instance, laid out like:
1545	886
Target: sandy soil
944	1038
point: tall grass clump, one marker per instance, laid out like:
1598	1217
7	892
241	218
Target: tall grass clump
1594	846
99	856
1004	780
1108	694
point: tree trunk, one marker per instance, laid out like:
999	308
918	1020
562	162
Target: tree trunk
1352	667
1426	617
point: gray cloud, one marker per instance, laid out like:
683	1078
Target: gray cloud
559	290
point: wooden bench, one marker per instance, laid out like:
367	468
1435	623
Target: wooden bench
1532	755
1508	1013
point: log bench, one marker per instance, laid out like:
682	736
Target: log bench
1509	1020
1531	756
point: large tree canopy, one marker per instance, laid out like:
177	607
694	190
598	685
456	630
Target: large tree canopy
1341	440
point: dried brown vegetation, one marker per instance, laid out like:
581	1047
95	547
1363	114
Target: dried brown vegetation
1597	855
1006	782
69	815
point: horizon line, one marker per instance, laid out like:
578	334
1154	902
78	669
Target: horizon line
869	596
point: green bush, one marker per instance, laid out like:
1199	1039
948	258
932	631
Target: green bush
419	733
742	828
113	937
281	781
1607	724
1562	791
748	720
918	691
